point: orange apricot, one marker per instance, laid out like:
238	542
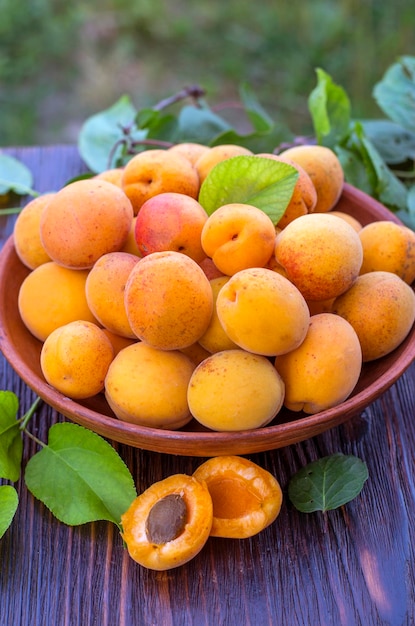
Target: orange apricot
26	233
190	150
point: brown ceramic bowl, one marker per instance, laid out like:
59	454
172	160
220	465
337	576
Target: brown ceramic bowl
22	351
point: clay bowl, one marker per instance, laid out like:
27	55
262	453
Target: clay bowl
22	351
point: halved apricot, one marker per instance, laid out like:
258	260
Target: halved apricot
169	523
246	498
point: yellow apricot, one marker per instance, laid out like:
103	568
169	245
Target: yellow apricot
381	308
325	170
105	288
262	312
353	221
169	523
26	233
195	352
214	339
169	300
51	296
75	358
235	390
130	244
323	371
118	342
113	175
190	150
85	220
388	247
148	386
246	498
215	155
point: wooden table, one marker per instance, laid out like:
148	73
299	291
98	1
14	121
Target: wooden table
353	566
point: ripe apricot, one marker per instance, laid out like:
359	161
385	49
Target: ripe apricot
388	247
353	221
190	150
130	244
381	308
105	288
85	220
169	300
235	390
237	236
246	498
323	371
113	175
214	339
148	386
262	312
75	358
51	296
26	233
321	254
169	523
156	171
215	155
324	168
118	341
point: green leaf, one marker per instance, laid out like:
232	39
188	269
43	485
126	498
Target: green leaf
329	107
9	501
99	140
200	125
80	477
15	176
158	125
328	483
259	181
394	143
395	93
256	114
11	444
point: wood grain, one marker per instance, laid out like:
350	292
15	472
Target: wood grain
353	566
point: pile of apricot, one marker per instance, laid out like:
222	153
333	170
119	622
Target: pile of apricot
136	292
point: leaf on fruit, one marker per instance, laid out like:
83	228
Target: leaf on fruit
9	501
395	93
80	477
329	107
262	182
11	444
328	483
15	176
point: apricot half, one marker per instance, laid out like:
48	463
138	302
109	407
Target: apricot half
246	498
169	523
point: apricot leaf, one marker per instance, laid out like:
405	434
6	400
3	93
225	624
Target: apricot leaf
200	124
80	477
11	443
329	107
395	93
328	483
15	176
9	501
262	182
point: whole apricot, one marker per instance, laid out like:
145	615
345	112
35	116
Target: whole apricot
51	296
130	244
148	386
169	523
235	390
321	254
353	221
85	220
323	371
215	155
324	168
75	359
118	341
190	150
215	339
262	312
246	498
113	175
152	172
237	236
169	300
381	308
26	233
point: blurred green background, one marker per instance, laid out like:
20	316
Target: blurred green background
61	62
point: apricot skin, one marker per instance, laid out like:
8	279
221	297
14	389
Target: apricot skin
215	339
26	233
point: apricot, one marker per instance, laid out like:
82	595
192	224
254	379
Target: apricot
388	247
118	341
130	244
246	498
262	312
75	358
381	308
169	523
113	175
237	236
321	254
169	300
171	221
190	150
324	370
210	268
353	221
85	220
26	233
196	353
214	339
105	288
235	390
51	296
324	168
148	386
215	155
157	171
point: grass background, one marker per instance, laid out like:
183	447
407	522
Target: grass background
61	61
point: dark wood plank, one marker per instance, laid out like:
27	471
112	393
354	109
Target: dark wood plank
353	566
